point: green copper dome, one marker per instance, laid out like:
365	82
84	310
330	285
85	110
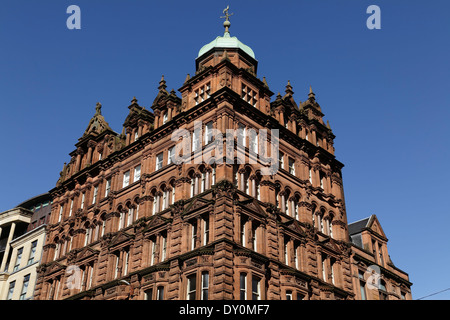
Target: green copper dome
226	42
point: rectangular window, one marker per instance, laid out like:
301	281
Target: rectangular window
193	235
280	160
243	233
83	196
170	155
243	286
292	166
363	290
116	267
288	295
149	294
108	187
127	260
205	285
241	135
18	259
196	140
380	254
286	260
61	209
191	286
253	141
94	198
205	231
159	161
11	290
71	208
254	237
126	179
164	248
32	252
256	290
152	258
208	132
137	173
160	293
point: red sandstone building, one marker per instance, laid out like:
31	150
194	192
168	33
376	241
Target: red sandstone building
127	222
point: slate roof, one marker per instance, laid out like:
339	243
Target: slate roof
358	226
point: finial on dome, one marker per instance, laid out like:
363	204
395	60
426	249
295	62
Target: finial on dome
227	22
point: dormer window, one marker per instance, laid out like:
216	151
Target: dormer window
165	117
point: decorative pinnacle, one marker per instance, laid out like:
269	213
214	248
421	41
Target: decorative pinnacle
134	100
227	22
162	84
98	108
311	94
289	88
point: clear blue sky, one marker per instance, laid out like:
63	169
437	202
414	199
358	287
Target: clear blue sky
385	93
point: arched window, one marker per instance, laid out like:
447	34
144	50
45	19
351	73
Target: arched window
166	197
155	206
313	211
287	194
191	175
246	186
257	186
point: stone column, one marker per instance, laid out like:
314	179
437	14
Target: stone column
6	254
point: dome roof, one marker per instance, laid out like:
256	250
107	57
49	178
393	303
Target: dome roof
226	42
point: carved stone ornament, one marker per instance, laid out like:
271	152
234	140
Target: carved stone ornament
224	187
177	207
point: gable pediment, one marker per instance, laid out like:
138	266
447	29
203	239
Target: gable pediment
297	227
86	253
120	238
375	226
197	204
55	267
253	206
155	222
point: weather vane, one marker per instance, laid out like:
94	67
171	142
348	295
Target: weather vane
227	16
225	11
